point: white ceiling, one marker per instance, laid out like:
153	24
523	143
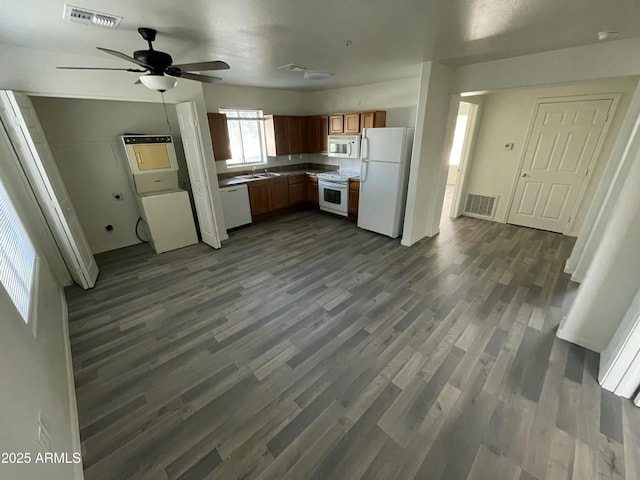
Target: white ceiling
389	38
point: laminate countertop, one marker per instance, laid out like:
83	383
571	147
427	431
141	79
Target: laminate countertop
231	181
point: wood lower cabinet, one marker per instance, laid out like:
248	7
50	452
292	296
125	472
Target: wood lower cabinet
354	196
260	197
279	193
219	131
312	191
298	189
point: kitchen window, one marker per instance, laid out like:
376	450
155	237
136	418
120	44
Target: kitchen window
17	257
246	136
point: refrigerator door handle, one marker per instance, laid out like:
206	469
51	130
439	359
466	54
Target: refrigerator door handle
365	148
363	174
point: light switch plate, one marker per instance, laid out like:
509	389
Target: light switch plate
508	146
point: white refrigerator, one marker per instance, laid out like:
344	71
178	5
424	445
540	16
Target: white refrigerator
384	175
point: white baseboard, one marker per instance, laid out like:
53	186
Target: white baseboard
73	406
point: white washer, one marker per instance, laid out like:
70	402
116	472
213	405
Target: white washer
169	219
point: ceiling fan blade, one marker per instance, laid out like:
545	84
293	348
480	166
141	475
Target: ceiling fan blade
103	68
203	66
124	57
194	76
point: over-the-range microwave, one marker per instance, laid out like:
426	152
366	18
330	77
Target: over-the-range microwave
345	146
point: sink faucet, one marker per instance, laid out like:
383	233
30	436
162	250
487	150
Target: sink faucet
253	170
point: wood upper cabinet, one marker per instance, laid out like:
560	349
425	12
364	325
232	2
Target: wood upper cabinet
323	132
297	189
219	132
352	123
277	134
295	135
354	196
375	119
260	197
336	124
279	193
285	135
312	190
315	129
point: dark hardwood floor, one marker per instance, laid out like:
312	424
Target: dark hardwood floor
307	348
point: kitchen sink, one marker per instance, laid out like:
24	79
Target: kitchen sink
260	175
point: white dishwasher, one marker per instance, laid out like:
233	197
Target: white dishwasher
235	205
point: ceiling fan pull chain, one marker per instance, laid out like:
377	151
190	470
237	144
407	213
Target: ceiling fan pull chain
166	115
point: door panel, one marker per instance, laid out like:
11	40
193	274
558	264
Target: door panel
556	161
36	158
530	198
556	202
198	177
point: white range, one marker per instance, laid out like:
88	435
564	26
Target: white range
333	191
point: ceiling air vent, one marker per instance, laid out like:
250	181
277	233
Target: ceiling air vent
90	17
480	205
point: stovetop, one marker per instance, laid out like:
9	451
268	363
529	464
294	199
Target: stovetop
339	176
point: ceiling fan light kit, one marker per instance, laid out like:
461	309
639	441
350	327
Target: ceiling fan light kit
160	83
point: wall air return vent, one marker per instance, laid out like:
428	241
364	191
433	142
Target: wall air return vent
90	17
480	205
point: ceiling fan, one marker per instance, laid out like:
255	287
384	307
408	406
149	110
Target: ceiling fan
161	74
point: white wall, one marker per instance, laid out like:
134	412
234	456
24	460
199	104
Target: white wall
84	136
590	62
399	98
437	111
506	118
36	373
269	100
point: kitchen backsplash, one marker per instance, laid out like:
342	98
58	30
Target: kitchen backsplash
346	164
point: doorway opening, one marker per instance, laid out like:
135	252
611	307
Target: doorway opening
461	149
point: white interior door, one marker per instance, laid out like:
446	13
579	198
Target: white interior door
557	160
30	144
198	175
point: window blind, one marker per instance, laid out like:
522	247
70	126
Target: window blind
17	256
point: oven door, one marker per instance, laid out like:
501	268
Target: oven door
333	197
